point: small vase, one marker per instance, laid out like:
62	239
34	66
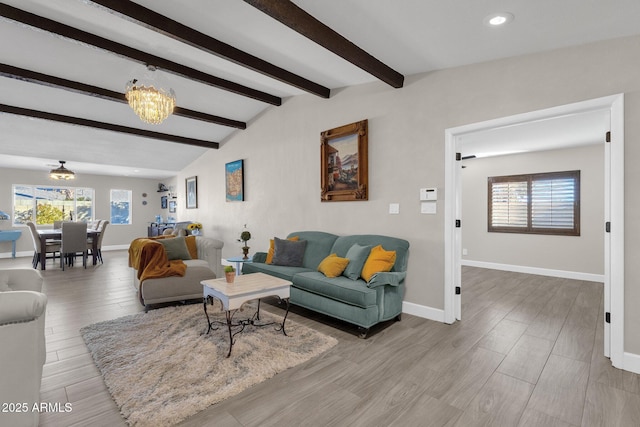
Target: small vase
230	276
245	251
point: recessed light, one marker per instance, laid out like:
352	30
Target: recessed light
498	19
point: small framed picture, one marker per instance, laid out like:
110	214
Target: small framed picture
192	192
172	206
163	202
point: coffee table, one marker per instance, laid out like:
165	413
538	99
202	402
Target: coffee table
245	288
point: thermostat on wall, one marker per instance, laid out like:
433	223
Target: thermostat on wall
428	194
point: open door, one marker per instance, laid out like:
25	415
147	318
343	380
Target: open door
614	213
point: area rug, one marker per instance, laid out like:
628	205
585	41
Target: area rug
160	367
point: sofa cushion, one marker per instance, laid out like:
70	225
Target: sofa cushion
176	248
271	250
354	292
378	260
318	247
333	265
288	253
357	255
401	246
192	246
282	272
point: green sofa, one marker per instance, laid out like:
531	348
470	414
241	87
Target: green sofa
355	301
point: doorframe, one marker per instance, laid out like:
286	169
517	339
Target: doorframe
614	213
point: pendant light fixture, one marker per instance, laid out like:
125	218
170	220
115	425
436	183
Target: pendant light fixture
61	172
152	103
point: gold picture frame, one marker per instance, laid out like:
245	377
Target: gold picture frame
344	162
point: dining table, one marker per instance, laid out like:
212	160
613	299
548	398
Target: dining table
56	234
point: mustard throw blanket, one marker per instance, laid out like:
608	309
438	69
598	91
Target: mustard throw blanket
150	260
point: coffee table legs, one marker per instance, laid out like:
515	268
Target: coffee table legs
281	328
242	323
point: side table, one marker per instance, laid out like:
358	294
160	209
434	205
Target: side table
238	260
10	236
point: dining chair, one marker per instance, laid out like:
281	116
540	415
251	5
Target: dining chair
101	229
52	246
74	241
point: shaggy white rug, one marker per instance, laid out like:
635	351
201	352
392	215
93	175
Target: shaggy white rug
161	367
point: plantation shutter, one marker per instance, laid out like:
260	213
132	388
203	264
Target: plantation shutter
509	200
543	203
552	203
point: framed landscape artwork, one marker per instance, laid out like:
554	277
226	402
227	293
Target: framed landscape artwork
344	163
192	192
234	179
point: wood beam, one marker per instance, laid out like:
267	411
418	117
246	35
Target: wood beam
134	54
297	19
105	126
182	33
98	92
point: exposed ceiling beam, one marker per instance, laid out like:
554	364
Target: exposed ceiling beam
134	54
182	33
105	126
297	19
98	92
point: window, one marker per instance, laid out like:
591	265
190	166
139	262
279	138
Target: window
45	204
543	203
121	207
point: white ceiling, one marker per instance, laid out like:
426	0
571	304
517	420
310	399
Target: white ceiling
410	36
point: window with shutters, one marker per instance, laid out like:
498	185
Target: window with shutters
542	203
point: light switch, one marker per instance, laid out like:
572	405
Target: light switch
428	207
394	208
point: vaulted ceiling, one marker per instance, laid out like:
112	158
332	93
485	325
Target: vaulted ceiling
64	64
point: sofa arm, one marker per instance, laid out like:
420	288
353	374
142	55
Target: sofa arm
21	306
210	250
260	257
392	278
21	279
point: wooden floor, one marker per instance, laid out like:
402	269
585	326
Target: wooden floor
528	353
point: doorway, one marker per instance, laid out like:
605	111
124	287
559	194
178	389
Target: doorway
613	211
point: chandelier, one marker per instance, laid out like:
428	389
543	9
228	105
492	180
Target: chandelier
61	172
151	104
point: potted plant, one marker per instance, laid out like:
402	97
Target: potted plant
229	273
245	236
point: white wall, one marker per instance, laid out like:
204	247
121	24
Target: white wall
116	235
578	254
281	149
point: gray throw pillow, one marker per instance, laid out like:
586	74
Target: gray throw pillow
176	248
288	252
357	256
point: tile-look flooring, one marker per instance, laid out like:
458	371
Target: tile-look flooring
528	352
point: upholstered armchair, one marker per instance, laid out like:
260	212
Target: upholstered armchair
22	348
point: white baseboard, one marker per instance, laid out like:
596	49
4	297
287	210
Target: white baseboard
589	277
18	254
631	362
115	247
423	311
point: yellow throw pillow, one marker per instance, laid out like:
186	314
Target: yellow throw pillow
333	265
271	251
379	260
191	246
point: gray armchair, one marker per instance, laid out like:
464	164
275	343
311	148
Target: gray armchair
23	352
